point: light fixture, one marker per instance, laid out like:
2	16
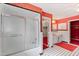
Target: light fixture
53	21
78	10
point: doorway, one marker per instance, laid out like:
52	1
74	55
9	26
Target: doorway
45	34
46	29
74	32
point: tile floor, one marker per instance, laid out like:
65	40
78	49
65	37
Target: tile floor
56	51
53	51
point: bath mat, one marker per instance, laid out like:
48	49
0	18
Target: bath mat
67	46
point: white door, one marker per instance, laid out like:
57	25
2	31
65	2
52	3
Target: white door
13	34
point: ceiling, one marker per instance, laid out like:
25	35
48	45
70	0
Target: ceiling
60	10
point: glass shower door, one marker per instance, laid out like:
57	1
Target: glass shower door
13	34
31	33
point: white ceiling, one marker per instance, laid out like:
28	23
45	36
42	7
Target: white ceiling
60	10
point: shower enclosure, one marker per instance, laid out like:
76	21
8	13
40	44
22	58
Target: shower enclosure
19	29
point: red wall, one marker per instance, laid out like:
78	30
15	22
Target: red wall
65	20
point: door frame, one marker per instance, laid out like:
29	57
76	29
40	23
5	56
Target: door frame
47	15
45	38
